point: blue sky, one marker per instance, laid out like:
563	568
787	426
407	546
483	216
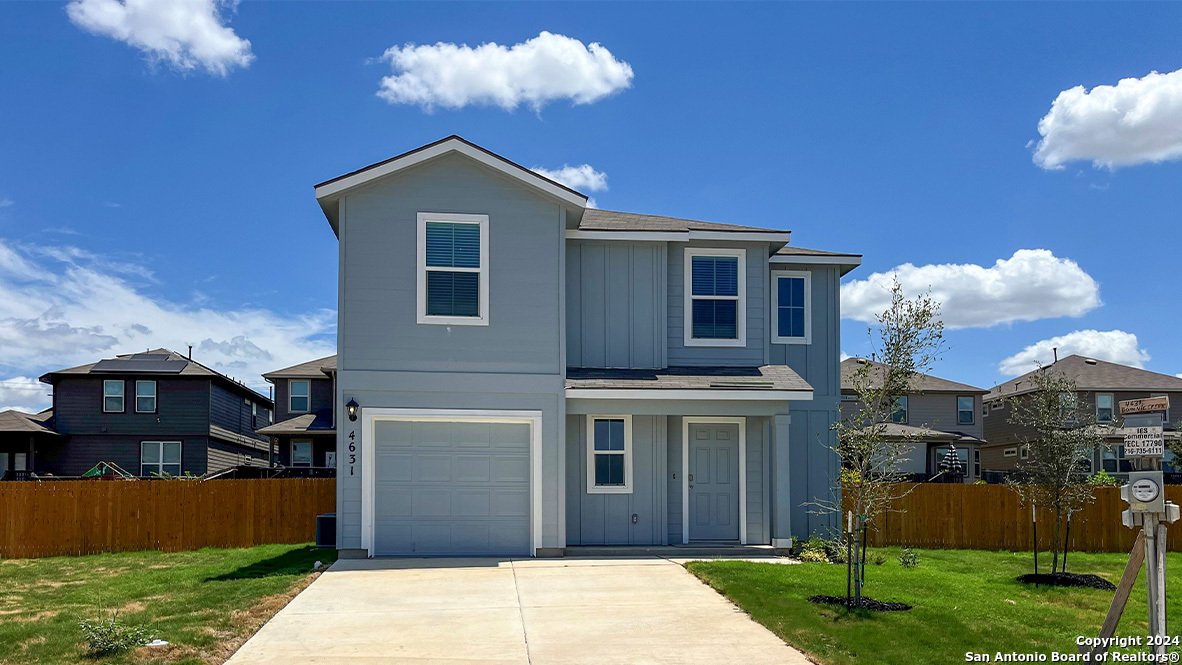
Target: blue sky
135	192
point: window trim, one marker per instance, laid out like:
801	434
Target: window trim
1024	452
308	397
122	396
155	394
777	338
421	269
906	410
687	323
1111	407
627	487
972	410
1010	452
311	454
181	457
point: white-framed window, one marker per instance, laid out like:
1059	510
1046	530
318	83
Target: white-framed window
1024	452
301	453
999	404
976	462
160	457
113	395
1104	409
792	307
1010	452
609	454
452	269
1165	415
964	410
299	395
899	415
715	301
145	397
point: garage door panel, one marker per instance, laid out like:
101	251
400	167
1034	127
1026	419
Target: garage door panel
511	436
473	435
397	502
511	469
432	468
393	433
432	503
507	503
473	503
473	469
432	434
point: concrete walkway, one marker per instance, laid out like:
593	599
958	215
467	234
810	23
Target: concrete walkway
533	611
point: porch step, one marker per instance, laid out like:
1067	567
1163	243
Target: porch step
672	551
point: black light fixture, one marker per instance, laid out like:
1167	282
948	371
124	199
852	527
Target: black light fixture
352	405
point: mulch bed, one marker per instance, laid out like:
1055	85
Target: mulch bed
867	603
1068	579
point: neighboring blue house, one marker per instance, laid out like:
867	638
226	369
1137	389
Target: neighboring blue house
528	373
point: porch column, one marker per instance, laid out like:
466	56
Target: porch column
32	451
781	486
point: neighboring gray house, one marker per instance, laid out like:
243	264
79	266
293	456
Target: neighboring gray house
530	373
939	415
304	432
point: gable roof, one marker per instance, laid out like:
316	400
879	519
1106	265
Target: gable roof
152	360
597	219
14	421
1091	374
313	369
329	191
922	383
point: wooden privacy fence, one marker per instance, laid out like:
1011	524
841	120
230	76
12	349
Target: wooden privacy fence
87	517
992	517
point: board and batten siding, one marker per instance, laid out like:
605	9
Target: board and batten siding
752	354
321	397
182	407
615	304
813	466
818	362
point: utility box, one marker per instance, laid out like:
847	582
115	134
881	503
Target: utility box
1145	492
326	530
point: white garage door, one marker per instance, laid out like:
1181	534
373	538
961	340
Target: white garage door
451	488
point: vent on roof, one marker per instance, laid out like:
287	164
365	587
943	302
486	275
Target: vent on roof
1090	361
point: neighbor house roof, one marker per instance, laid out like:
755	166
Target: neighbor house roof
1091	374
771	378
910	432
308	423
18	422
313	369
162	362
922	383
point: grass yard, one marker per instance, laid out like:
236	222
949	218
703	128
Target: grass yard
963	601
204	603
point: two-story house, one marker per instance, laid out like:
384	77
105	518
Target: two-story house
937	416
304	433
1100	386
518	372
153	413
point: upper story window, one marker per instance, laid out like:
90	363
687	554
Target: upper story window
1067	405
715	297
1104	410
964	410
113	395
609	454
453	269
792	307
145	397
299	395
899	415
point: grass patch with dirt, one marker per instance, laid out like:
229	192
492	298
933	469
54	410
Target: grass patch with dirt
205	603
964	601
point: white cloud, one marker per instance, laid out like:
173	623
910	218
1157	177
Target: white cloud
63	306
1032	284
186	34
583	177
1115	346
24	393
1133	122
6	202
535	72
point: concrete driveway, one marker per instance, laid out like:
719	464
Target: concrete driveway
535	611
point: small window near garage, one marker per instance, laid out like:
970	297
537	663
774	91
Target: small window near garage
301	453
715	309
160	458
145	397
609	454
299	395
1104	410
1010	452
453	269
791	307
900	413
964	410
113	396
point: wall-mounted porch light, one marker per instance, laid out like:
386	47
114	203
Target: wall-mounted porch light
352	405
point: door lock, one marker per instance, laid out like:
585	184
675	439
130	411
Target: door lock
691	477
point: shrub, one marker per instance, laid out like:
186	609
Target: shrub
110	636
909	558
817	549
879	559
813	556
980	482
1102	479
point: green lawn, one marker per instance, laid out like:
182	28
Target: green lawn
963	601
205	603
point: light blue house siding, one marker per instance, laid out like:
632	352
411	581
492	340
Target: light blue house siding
753	353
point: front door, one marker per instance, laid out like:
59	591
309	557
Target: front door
714	481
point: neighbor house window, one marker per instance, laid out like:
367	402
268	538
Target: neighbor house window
792	307
301	453
1104	410
160	457
715	307
609	454
299	396
145	397
899	415
113	396
976	462
964	410
1010	452
1066	405
453	269
1024	452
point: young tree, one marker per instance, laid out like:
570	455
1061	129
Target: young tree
906	343
1061	433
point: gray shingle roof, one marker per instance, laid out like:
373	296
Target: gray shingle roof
308	423
767	377
790	250
595	219
1092	374
313	369
923	383
13	421
901	432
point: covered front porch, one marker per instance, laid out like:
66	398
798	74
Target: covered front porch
20	434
